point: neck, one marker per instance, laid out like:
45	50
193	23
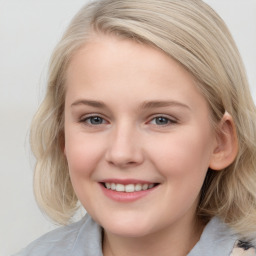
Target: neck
176	240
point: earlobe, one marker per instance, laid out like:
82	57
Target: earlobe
226	149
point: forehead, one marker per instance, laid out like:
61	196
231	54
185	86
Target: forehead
100	49
123	66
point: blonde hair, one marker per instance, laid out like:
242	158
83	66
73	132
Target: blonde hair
190	32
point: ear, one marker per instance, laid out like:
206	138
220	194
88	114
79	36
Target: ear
226	148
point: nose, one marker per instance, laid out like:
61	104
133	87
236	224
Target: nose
124	147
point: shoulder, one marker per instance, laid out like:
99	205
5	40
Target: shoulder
67	240
218	239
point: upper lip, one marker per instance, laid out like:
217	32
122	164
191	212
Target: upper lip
126	181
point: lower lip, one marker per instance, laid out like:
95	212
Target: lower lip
125	196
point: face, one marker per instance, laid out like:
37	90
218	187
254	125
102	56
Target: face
138	140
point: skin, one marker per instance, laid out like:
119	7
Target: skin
129	140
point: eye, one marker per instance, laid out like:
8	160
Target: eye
94	120
162	121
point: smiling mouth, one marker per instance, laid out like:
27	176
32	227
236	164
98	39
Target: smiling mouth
129	188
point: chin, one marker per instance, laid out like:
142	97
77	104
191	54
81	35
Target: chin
130	229
128	232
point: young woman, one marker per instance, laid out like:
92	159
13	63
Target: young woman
148	122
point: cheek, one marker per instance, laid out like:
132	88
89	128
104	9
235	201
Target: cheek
83	153
183	161
185	155
83	156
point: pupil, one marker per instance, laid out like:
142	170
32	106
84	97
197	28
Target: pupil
161	120
96	120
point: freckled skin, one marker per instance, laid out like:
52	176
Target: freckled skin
129	142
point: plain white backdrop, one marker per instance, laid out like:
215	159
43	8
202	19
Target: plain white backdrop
29	30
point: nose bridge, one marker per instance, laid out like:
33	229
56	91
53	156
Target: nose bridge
124	148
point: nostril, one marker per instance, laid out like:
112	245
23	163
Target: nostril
123	164
122	160
122	148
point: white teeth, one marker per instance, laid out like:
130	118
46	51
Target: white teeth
128	188
138	187
145	186
120	187
151	186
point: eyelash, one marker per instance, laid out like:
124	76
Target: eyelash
88	120
85	120
170	121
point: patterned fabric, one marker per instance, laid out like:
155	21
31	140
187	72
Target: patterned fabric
243	249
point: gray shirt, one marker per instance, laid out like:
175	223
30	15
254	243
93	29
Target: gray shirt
83	238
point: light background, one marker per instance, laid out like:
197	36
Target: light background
29	30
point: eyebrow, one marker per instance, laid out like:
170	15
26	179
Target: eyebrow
160	104
144	105
92	103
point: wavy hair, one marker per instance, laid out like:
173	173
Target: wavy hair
190	32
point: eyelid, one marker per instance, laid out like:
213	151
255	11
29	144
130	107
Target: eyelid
84	118
172	120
